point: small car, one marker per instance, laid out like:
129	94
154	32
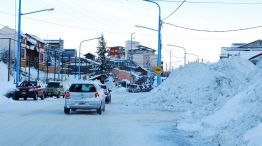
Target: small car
134	88
29	89
84	96
107	93
54	89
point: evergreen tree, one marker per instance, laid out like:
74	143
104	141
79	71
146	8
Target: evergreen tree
102	56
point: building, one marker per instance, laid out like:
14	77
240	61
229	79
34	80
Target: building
129	45
54	50
117	52
247	51
90	56
32	52
7	33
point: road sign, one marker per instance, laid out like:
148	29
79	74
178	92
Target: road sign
158	70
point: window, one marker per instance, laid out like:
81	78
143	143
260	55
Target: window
82	88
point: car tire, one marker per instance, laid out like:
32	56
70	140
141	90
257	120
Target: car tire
15	98
104	109
42	97
25	98
58	95
99	111
66	110
35	96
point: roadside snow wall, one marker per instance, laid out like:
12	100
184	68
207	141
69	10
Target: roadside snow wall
218	102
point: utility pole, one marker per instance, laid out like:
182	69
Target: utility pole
9	58
131	57
69	63
47	60
170	60
55	66
29	52
62	66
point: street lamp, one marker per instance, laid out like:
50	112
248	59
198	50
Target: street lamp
181	48
159	41
79	74
19	39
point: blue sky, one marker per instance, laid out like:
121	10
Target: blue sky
76	20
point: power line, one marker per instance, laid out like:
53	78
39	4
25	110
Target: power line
206	2
203	30
175	10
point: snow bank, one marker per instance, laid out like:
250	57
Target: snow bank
219	102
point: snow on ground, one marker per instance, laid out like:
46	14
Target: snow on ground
219	102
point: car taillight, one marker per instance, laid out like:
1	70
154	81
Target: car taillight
67	95
97	94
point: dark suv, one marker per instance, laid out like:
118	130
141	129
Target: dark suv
29	89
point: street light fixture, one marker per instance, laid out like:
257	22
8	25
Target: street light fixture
19	39
159	41
181	48
79	74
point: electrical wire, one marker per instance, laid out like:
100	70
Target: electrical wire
174	10
206	2
203	30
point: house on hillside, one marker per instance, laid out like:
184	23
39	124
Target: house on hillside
54	49
250	51
8	39
144	57
117	52
90	56
33	52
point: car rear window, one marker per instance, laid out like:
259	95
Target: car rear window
133	86
103	86
82	88
56	85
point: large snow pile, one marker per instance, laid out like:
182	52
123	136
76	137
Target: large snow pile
218	102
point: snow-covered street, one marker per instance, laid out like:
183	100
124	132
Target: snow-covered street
44	123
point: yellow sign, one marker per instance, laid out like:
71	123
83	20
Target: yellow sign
158	70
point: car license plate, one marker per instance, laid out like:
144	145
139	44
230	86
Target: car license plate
23	92
49	93
81	103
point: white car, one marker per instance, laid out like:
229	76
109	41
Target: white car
84	96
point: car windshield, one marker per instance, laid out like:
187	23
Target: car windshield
27	83
55	85
82	88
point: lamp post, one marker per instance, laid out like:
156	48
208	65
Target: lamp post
18	57
131	57
181	48
159	41
79	74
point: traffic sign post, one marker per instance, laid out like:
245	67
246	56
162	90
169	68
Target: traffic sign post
158	70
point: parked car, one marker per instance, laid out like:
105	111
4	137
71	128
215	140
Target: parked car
84	96
134	88
54	89
29	89
107	93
